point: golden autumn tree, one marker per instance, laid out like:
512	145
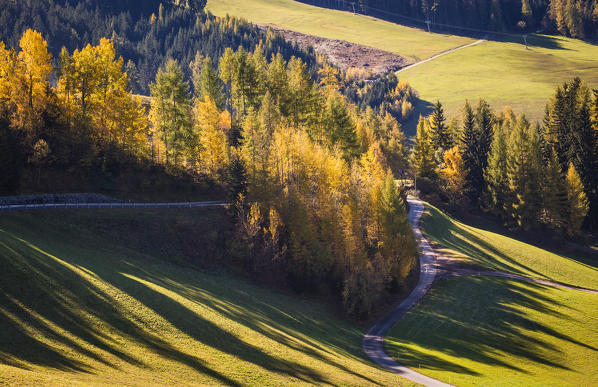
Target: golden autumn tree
453	174
215	151
7	67
30	84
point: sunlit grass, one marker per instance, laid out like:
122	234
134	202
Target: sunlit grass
487	331
79	306
412	43
505	74
491	250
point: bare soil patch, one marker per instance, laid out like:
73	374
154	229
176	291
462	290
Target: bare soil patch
345	54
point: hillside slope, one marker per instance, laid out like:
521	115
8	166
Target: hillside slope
412	43
109	298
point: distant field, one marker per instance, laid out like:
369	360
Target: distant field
491	250
505	74
498	332
412	43
79	304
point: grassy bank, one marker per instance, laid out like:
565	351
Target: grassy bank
489	249
97	297
487	331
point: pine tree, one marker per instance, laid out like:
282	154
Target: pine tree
578	201
555	196
422	155
441	137
171	110
496	175
209	85
524	172
339	127
476	138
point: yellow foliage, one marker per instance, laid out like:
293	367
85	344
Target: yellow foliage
215	151
453	174
30	81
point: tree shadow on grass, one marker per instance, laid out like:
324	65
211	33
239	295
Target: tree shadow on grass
447	233
293	329
422	108
51	295
62	293
480	319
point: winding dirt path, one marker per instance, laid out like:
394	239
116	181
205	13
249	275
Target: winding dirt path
442	54
373	341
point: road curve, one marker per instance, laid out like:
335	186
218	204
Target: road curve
373	341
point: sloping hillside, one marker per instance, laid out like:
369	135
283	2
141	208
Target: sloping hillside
108	297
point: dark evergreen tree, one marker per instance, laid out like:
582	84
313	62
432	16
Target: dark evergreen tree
441	137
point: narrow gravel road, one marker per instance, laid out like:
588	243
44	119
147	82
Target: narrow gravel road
373	342
442	54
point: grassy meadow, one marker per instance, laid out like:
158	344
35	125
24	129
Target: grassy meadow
505	74
487	331
412	43
489	249
107	297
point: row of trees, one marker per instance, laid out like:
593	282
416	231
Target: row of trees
529	175
87	116
144	33
577	18
317	199
318	206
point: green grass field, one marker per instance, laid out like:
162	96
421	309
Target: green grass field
412	43
497	332
491	250
105	297
505	74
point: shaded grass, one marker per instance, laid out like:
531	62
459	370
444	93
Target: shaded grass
505	74
79	305
412	43
492	250
489	331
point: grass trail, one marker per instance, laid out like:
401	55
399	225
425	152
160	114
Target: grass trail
487	331
412	43
78	305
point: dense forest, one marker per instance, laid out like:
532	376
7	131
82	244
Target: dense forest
576	18
144	33
317	206
531	176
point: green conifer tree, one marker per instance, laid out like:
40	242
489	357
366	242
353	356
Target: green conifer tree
496	175
422	155
441	137
578	201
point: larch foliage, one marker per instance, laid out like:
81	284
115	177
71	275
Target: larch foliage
578	201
